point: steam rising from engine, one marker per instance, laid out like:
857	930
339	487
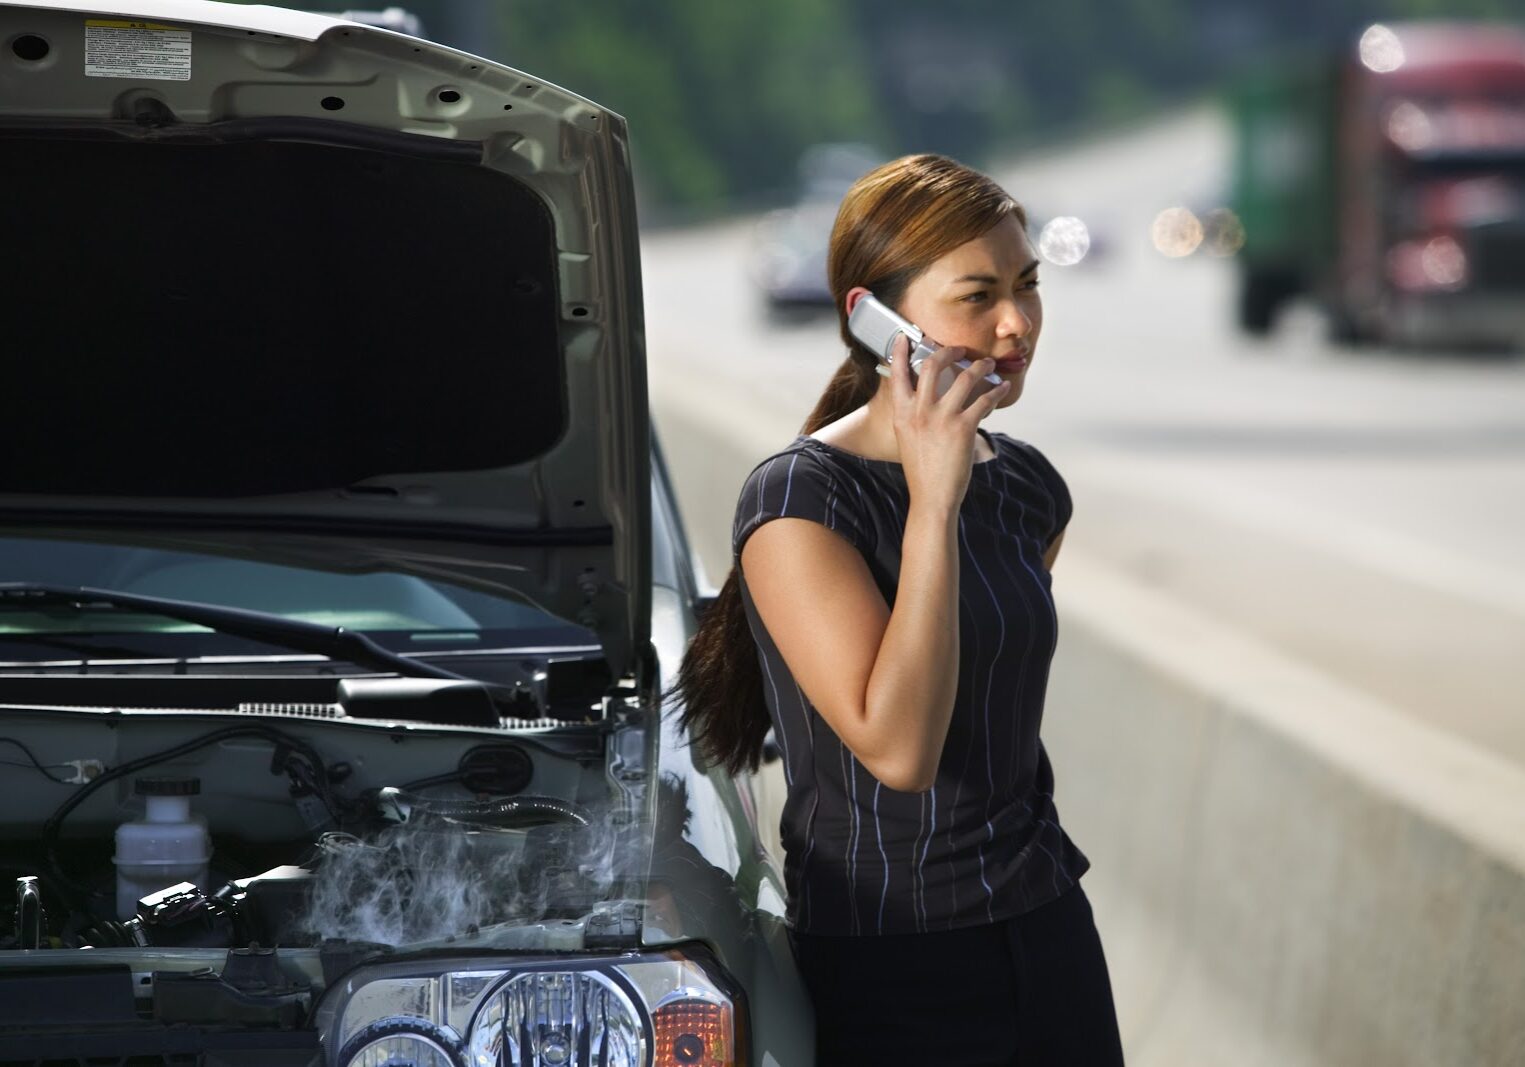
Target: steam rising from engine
435	875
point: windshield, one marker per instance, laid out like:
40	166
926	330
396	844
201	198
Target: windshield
1444	195
400	610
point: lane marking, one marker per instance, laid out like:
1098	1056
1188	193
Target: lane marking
1391	553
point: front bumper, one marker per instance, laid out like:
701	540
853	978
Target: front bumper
1460	319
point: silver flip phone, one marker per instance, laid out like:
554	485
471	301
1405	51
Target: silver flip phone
876	326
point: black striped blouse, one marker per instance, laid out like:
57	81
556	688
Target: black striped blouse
984	843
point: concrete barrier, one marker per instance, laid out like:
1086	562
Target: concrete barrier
1286	872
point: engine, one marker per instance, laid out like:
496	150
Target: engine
420	868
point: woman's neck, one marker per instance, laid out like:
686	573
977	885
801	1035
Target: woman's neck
869	431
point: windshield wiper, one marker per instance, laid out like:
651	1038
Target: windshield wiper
335	642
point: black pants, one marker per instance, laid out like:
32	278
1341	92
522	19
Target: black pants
1030	991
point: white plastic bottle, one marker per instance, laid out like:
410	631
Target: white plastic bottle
169	845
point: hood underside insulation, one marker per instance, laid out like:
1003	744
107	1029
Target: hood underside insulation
248	314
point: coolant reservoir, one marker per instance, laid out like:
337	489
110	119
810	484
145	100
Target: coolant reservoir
169	845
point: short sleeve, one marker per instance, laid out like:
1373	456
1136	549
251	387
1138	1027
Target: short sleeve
1051	480
798	485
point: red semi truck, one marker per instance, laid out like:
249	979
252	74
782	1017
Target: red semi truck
1389	185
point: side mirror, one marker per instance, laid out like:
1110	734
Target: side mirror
705	591
771	753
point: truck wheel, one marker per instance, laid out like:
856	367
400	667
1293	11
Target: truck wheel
1343	329
1259	296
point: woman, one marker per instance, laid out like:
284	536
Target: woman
890	617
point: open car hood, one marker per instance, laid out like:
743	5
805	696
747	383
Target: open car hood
286	287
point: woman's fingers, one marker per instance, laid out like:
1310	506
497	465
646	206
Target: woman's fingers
900	369
930	371
966	381
986	403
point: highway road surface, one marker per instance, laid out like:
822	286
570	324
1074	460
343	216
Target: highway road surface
1361	510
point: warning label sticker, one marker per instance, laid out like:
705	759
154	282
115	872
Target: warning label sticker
120	49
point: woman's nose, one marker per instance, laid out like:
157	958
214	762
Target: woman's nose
1013	322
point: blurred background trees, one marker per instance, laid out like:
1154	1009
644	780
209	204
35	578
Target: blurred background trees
722	98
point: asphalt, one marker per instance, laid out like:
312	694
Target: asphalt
1360	511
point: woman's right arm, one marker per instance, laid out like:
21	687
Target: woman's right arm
884	680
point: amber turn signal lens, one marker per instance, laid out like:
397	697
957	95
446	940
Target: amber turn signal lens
693	1032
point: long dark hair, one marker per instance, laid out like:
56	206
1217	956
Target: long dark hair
893	224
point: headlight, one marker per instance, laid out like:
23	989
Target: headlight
401	1043
668	1010
561	1018
1437	263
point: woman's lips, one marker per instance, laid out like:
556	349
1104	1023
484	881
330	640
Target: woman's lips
1011	364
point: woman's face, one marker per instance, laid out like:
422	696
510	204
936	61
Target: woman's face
984	295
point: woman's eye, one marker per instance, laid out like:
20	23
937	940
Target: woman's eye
1032	284
974	298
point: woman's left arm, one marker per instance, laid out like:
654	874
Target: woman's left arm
1053	551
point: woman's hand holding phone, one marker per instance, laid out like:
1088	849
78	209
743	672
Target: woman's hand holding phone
936	434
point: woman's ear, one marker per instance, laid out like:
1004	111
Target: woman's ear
855	294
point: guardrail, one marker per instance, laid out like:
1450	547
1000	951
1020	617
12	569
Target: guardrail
1286	871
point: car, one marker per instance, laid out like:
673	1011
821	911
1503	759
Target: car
341	578
788	259
788	247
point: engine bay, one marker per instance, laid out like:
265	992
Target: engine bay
300	824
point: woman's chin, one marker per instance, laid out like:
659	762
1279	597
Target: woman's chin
1012	395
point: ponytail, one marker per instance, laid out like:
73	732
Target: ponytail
720	684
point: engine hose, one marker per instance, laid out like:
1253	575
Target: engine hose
404	806
105	934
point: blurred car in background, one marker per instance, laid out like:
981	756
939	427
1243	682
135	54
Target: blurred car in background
1388	184
788	259
340	575
397	19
